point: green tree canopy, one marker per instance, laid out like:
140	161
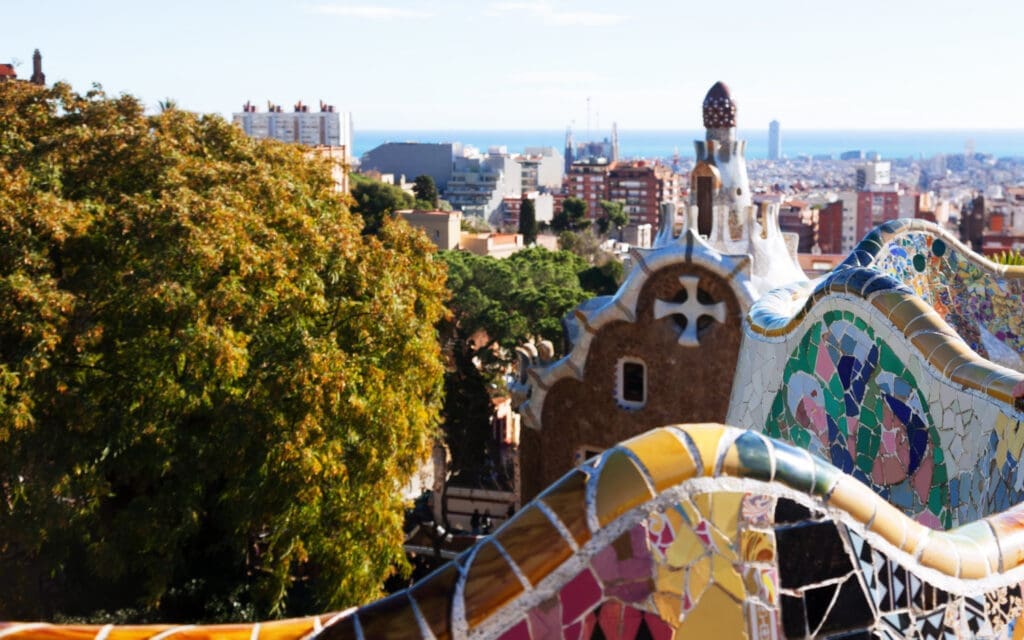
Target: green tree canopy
572	217
528	221
425	191
615	216
211	385
497	305
375	200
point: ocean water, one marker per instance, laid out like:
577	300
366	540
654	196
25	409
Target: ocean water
891	144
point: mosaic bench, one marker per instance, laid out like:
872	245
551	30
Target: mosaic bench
691	531
981	300
878	368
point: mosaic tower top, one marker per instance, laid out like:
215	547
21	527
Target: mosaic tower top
719	108
721	208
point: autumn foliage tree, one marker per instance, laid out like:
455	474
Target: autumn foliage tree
211	384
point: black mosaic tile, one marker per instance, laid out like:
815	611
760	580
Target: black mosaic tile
794	617
788	511
810	554
818	602
851	609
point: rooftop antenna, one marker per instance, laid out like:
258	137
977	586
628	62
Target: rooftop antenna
588	117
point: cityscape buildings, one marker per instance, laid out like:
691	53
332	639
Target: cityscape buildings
479	183
8	72
327	127
412	159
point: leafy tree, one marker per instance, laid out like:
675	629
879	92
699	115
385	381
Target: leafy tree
586	244
497	305
528	221
375	201
210	383
572	217
602	280
615	216
426	191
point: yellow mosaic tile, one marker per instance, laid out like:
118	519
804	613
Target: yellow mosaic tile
75	632
973	562
886	301
620	487
703	503
282	629
927	321
956	361
854	498
917	535
698	577
489	584
906	311
1010	437
686	548
665	457
568	500
971	375
752	581
1009	529
947	353
928	341
1002	387
727	577
706	437
890	523
715	615
759	584
220	631
692	515
668	606
137	633
670	580
757	546
724	545
941	554
980	533
529	531
725	511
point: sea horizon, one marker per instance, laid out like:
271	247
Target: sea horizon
664	143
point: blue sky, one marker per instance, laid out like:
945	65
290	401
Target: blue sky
532	64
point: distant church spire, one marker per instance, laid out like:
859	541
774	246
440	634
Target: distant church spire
568	149
38	77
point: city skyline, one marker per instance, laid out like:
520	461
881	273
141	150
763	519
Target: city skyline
540	64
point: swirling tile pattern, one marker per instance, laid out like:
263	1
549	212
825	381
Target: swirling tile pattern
863	370
693	531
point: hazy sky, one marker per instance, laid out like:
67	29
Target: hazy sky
478	64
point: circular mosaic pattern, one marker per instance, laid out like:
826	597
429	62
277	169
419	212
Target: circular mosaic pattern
848	398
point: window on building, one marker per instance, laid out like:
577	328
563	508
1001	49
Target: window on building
631	387
584	453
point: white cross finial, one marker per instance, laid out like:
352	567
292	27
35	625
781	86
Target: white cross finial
692	310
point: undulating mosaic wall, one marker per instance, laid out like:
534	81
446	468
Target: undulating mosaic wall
861	370
981	300
697	531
